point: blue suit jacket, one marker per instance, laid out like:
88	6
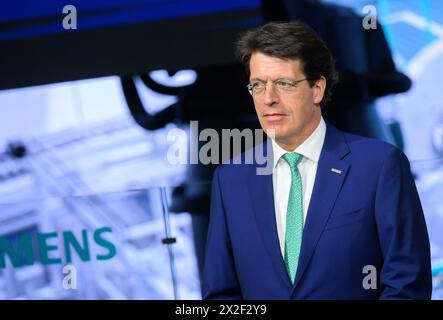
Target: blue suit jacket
369	214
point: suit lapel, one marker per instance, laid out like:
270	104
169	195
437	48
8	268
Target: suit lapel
261	194
331	173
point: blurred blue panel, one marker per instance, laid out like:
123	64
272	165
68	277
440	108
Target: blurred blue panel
31	18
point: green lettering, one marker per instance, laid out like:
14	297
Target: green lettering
70	241
22	255
104	243
45	248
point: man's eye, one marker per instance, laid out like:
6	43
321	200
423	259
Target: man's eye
284	84
257	85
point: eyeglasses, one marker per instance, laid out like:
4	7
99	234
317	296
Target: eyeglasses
281	85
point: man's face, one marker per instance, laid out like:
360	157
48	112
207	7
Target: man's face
293	114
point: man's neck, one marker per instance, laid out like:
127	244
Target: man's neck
295	142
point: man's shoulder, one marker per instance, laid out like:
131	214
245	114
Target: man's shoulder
233	169
357	143
244	163
371	149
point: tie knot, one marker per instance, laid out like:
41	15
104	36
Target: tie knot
292	158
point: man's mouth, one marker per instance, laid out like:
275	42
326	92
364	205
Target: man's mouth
274	116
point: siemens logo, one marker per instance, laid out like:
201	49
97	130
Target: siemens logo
23	251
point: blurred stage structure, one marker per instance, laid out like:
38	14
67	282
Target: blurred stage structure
72	181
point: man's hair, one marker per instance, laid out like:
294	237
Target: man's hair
291	40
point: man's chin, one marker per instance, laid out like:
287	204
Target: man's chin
274	133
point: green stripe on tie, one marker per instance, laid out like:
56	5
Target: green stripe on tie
294	216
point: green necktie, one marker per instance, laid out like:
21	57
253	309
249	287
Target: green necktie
294	216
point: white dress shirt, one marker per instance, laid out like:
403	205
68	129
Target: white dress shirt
310	149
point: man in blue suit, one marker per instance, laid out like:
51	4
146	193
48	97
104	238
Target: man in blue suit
339	216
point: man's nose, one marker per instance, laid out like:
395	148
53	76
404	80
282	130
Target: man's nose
270	96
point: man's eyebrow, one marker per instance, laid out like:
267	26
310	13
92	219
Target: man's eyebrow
257	79
278	79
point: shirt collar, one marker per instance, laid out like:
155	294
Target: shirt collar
310	148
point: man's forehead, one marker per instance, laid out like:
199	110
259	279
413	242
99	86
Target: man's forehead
263	56
262	65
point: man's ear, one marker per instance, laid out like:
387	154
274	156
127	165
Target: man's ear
319	90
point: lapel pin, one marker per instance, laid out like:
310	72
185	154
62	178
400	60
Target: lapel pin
336	170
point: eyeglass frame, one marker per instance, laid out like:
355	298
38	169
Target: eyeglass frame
293	84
